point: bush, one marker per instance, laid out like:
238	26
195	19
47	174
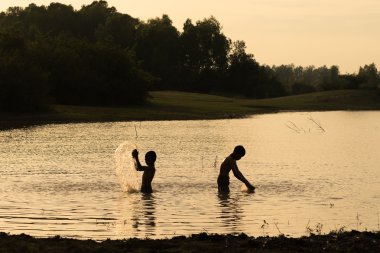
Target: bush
300	88
23	87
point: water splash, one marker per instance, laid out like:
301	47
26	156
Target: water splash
125	167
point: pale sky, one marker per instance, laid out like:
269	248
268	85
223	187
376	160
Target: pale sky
304	32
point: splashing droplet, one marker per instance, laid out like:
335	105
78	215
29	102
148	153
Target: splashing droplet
125	167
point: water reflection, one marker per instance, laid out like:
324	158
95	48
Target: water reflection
144	215
137	215
231	212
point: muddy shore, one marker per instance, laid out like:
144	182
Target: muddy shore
353	241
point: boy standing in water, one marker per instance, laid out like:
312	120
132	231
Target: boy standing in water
228	165
149	170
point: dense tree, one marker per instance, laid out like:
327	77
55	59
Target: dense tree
246	76
286	75
23	85
98	56
119	30
92	74
301	88
243	70
369	77
309	79
67	55
93	16
157	46
204	53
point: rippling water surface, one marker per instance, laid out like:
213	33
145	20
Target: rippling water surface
61	180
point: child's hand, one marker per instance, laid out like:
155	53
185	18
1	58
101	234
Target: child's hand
135	153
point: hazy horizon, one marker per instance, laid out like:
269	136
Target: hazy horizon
277	32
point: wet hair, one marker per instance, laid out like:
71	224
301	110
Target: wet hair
239	150
150	157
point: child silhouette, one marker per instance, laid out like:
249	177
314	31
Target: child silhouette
230	164
149	169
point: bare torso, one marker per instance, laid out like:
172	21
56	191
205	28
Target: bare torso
224	180
147	178
227	165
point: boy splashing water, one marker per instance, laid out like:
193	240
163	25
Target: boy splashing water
149	170
228	165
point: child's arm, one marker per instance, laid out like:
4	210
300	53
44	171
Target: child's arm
135	155
240	176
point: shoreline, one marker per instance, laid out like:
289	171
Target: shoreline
173	105
20	123
353	241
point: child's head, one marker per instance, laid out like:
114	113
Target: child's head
239	152
150	158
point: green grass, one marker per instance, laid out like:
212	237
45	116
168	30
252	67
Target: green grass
173	105
164	105
327	100
168	105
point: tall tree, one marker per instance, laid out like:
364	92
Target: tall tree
92	16
369	76
204	53
119	29
157	45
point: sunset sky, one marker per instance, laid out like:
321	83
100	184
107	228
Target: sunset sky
304	32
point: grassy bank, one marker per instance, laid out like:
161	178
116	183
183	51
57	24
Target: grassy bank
334	242
171	105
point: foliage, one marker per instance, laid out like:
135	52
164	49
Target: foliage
99	56
204	54
73	57
369	77
23	86
297	80
91	74
157	46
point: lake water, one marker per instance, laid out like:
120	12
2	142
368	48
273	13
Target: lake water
313	171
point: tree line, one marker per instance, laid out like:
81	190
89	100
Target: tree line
298	80
98	56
